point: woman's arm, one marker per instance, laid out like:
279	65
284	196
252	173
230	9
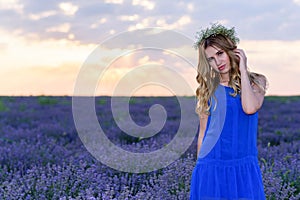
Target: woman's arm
252	96
203	123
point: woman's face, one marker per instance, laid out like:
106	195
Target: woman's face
218	59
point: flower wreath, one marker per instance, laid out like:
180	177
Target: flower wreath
215	29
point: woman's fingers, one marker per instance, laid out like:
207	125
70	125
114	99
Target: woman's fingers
243	59
240	52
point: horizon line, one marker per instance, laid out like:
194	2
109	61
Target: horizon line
138	96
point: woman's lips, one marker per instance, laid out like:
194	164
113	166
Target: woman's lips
221	67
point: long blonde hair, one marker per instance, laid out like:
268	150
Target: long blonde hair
209	79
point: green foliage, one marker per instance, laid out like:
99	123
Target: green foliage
101	101
22	107
3	108
282	99
44	100
278	132
132	101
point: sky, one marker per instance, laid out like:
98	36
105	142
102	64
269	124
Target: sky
47	47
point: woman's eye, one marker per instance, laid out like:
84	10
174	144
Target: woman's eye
220	53
209	59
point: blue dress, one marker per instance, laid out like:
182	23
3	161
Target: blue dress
227	165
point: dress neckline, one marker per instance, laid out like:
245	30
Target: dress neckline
225	86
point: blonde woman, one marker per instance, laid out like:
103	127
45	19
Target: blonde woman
229	97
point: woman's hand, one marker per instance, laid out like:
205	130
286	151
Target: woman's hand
243	59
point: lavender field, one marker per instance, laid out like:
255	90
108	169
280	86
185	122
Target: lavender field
42	157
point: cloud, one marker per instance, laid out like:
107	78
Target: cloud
147	5
143	60
91	21
98	23
128	17
62	28
68	8
141	24
182	21
178	24
13	5
42	15
114	1
297	2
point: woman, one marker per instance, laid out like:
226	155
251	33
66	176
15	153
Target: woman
229	97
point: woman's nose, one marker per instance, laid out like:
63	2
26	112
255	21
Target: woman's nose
218	62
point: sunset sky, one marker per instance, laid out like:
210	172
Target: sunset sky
45	44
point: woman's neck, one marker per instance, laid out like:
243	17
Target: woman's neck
224	79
